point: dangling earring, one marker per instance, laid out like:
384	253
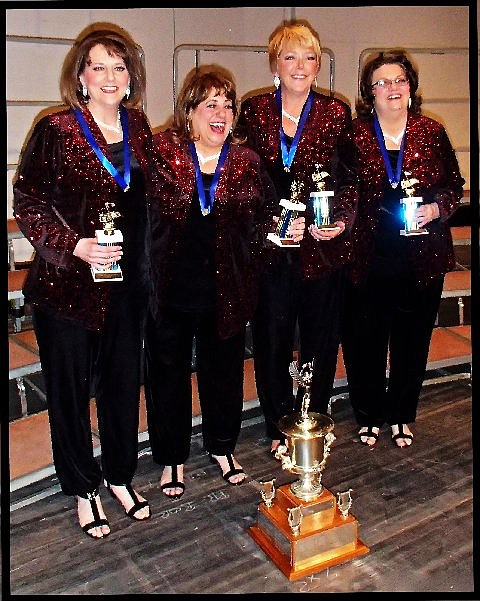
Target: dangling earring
127	91
315	82
276	81
409	102
84	91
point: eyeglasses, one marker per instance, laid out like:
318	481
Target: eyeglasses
383	83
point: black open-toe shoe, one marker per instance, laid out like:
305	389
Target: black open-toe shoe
369	433
97	520
137	504
174	483
233	471
401	434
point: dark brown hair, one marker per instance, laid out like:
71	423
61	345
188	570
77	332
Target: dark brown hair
364	105
115	43
195	90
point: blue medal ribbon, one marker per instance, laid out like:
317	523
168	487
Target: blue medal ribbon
206	205
393	178
288	155
122	181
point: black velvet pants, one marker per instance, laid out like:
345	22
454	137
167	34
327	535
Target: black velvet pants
168	385
77	362
285	303
388	317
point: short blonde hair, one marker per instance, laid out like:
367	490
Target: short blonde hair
300	32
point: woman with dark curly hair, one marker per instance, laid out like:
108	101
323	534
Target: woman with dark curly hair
396	279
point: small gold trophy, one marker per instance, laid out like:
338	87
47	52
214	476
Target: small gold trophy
290	211
410	204
108	236
304	529
322	201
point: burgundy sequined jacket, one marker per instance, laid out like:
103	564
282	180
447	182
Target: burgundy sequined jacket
327	139
428	157
245	202
60	190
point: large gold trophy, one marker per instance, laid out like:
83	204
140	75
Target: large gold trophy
108	236
301	526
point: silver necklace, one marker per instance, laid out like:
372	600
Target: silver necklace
202	160
291	117
117	129
395	140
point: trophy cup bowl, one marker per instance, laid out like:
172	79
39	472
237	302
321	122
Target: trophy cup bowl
309	438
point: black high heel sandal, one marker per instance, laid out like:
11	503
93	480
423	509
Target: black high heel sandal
233	471
174	483
402	434
137	504
369	433
97	520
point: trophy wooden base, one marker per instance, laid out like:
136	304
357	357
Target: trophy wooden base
329	227
288	242
111	275
413	232
325	538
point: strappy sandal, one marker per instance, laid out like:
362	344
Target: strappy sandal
401	434
97	520
174	483
233	471
369	433
137	504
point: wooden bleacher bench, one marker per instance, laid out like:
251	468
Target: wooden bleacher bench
16	280
23	360
461	235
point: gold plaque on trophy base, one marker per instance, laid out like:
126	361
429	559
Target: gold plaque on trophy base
325	538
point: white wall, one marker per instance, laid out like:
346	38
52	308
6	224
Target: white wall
32	69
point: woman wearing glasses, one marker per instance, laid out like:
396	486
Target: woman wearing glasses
396	280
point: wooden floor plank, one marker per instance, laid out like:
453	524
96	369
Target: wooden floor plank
414	508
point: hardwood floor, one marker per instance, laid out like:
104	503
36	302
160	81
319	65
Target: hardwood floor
414	508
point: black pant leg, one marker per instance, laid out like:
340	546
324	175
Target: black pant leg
411	332
168	385
66	355
117	387
273	334
320	309
364	338
220	370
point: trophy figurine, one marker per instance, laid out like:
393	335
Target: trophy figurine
290	211
321	200
295	517
309	438
108	236
410	204
268	491
344	502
